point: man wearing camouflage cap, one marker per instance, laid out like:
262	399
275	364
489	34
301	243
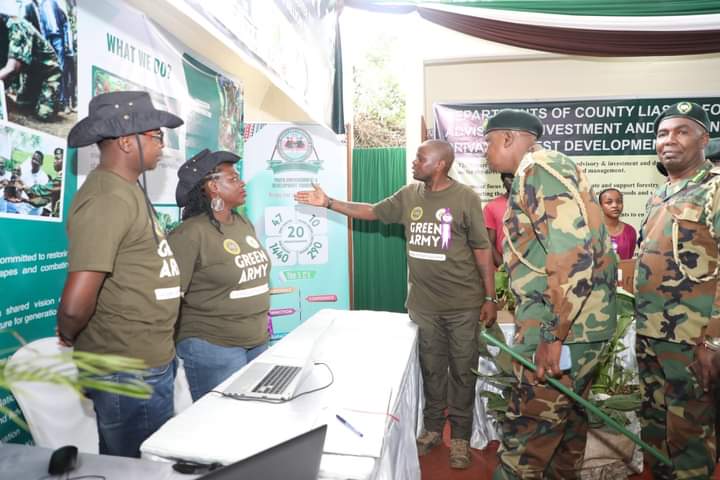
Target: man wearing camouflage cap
677	300
563	273
122	294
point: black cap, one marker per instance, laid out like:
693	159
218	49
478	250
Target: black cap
690	110
195	169
117	114
515	120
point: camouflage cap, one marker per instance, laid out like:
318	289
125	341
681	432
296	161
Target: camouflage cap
515	120
712	151
690	110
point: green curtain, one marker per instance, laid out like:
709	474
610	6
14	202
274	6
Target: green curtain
379	261
570	7
599	7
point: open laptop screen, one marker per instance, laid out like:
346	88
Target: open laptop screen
294	459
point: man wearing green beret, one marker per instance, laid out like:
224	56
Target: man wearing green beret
677	301
563	273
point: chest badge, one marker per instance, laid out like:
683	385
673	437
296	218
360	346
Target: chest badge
250	240
231	246
416	214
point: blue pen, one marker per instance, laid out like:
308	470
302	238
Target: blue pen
347	424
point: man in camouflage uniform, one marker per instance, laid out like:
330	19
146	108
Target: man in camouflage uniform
33	63
677	299
563	274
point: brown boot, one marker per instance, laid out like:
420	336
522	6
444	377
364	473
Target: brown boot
427	441
459	453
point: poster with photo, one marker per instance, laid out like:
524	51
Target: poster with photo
31	174
38	50
3	103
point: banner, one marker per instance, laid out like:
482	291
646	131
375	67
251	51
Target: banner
121	50
613	140
38	99
294	40
308	246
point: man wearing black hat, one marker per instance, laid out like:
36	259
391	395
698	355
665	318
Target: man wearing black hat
563	274
451	286
123	291
677	299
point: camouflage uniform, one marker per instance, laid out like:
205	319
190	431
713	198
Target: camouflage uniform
39	83
676	306
563	273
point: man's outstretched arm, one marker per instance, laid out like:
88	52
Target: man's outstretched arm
318	198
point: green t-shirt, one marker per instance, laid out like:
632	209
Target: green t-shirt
110	231
441	229
225	280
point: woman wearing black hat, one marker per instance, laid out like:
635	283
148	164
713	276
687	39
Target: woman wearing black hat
224	274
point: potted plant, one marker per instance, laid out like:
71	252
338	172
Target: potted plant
54	369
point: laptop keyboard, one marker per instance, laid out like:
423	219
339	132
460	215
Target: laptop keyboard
277	379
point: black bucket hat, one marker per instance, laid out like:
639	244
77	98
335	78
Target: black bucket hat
117	114
196	168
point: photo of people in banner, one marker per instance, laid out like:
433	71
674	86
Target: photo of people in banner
31	174
38	67
231	116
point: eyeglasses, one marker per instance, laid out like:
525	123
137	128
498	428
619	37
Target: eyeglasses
220	176
159	136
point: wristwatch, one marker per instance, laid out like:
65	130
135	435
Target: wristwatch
712	343
329	203
547	336
492	299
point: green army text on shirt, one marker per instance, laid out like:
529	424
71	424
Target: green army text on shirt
676	282
110	231
225	280
441	230
564	277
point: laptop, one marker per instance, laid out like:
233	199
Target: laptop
294	459
278	380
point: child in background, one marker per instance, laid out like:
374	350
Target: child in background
622	235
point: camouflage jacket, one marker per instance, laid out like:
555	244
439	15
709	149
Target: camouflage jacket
557	252
26	45
676	296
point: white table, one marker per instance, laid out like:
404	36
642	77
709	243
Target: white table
23	462
373	356
485	428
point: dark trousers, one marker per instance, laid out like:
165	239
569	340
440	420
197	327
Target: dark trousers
448	345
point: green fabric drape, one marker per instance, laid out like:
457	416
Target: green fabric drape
634	8
379	260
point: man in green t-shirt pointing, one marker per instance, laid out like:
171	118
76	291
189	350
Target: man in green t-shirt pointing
451	285
122	294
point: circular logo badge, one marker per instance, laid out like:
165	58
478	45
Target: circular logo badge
416	214
684	107
252	242
231	246
443	215
294	145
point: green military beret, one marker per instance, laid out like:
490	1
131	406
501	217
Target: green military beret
712	151
515	120
690	110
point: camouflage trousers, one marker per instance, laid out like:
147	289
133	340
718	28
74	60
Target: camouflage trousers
40	90
677	416
545	432
448	346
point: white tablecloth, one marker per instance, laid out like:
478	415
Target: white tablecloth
485	428
373	356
